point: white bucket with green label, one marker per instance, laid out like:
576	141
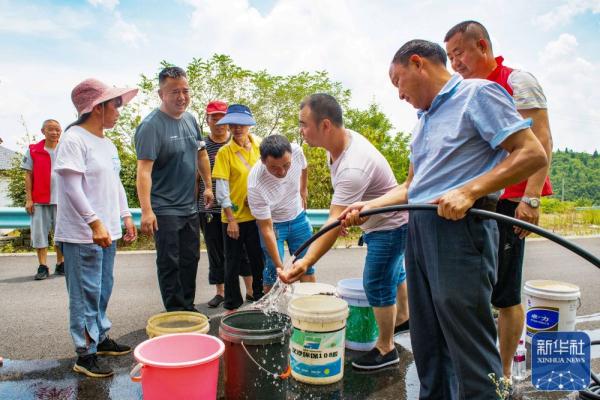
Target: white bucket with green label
550	306
361	327
303	289
317	342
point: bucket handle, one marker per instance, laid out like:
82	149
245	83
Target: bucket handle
284	375
579	303
133	375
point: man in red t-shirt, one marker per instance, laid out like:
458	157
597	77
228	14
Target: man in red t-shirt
470	51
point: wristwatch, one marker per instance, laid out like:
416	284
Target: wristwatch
533	202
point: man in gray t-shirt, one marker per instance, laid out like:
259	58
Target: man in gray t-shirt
40	192
170	152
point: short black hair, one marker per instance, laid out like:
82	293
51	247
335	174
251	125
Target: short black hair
324	106
171	72
424	48
275	146
473	29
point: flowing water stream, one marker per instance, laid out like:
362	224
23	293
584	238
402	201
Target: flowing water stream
278	298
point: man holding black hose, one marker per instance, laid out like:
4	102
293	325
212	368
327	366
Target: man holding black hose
360	172
469	143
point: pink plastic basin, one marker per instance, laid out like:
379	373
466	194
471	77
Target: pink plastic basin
178	366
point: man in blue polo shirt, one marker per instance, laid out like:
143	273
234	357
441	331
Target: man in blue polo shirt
469	143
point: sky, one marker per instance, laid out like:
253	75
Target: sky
47	47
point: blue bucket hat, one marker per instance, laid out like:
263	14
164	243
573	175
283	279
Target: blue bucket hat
237	114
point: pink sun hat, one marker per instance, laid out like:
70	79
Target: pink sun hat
92	92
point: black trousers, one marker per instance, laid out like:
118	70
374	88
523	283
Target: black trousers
511	252
177	254
249	238
213	231
451	268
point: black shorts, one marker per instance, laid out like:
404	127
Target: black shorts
511	249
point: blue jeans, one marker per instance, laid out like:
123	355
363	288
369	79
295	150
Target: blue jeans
89	277
384	265
295	233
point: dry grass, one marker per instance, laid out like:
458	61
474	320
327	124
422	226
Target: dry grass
572	223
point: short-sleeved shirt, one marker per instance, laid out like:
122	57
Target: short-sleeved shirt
212	148
276	198
233	164
27	163
97	159
457	139
362	173
527	92
173	145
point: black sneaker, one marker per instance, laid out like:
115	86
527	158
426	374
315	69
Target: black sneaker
60	269
42	273
375	360
109	347
91	366
216	301
403	327
249	299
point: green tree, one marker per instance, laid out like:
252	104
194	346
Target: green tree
376	127
274	101
16	182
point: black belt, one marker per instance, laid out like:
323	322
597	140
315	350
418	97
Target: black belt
487	203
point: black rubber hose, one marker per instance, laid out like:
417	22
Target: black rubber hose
593	390
474	211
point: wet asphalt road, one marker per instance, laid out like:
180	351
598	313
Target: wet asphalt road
37	348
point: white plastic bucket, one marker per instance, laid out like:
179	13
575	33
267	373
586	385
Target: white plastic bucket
550	306
361	327
303	289
317	342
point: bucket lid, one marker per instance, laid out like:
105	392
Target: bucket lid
318	308
179	350
312	288
352	288
554	290
254	327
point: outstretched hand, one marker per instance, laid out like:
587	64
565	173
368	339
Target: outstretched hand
293	274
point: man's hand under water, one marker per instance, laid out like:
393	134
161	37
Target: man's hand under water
299	268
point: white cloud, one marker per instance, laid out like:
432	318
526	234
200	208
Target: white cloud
108	4
563	14
39	97
127	32
570	82
353	40
29	20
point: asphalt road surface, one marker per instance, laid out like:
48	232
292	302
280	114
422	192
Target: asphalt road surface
34	314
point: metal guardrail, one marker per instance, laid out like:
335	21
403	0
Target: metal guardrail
17	217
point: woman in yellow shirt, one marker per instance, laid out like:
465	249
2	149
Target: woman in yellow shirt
232	166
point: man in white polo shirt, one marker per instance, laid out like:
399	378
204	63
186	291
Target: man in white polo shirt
277	194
